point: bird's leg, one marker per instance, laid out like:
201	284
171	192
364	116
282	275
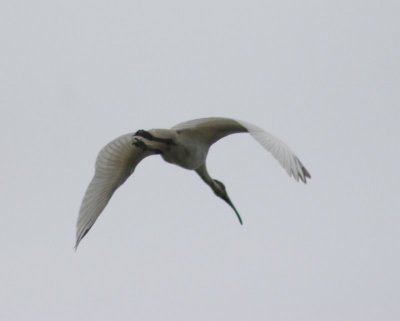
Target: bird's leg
142	145
147	135
144	134
139	143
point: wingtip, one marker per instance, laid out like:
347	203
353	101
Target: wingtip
306	174
80	236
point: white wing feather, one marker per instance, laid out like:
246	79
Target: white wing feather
114	164
279	150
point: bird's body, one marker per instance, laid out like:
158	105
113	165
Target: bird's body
186	145
184	152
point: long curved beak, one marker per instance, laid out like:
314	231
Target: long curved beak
228	200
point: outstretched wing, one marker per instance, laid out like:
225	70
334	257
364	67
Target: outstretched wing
211	130
281	152
114	164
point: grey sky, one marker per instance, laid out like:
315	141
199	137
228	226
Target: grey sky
322	76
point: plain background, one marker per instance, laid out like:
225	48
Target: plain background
323	76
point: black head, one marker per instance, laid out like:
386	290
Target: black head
220	191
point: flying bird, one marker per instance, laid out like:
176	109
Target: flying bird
186	145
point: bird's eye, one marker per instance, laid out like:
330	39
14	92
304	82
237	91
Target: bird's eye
220	184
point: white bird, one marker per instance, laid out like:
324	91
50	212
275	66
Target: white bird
185	145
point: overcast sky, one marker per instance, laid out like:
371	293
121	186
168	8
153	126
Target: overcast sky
323	76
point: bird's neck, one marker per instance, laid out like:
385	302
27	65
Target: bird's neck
203	173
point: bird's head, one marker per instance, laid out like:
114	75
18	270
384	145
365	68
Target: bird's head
220	191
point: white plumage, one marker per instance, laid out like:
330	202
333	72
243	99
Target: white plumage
185	145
